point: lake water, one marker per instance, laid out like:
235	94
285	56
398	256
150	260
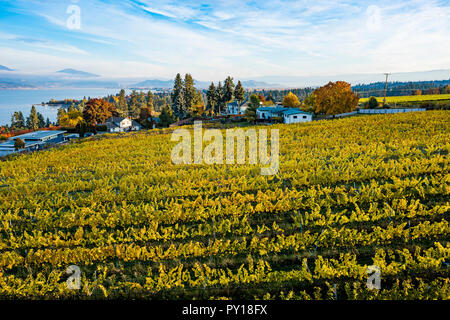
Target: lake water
22	100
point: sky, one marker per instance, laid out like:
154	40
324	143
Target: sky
213	39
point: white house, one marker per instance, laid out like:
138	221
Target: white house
296	116
289	115
235	108
120	124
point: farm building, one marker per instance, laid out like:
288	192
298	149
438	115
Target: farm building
33	141
120	124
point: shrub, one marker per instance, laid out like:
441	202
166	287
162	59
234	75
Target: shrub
19	144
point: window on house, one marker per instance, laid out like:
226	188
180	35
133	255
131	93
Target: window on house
304	117
295	117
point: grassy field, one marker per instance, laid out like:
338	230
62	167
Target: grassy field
400	99
350	193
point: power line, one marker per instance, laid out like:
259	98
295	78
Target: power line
385	87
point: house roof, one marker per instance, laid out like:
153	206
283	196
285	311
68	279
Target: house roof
283	110
134	123
38	135
272	109
235	103
295	111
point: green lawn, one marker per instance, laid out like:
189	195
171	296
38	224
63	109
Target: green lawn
399	99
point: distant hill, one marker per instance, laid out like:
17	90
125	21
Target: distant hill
79	73
156	83
3	68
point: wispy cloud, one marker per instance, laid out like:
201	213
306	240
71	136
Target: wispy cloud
244	38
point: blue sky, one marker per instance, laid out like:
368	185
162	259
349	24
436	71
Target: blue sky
211	39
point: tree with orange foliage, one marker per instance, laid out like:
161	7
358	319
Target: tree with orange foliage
291	100
97	111
335	98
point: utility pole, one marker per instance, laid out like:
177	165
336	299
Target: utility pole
385	87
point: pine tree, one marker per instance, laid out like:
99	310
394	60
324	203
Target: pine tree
20	120
239	94
150	98
228	91
47	123
177	96
166	116
133	107
220	99
250	113
212	97
33	120
41	123
189	93
122	103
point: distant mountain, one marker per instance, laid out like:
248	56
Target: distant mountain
77	73
167	84
3	68
155	83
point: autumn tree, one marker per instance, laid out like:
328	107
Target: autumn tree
97	111
335	97
198	106
71	118
309	103
291	101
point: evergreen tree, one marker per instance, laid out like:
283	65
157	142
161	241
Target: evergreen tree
122	105
33	120
20	120
41	119
167	116
14	120
239	94
250	113
133	107
177	96
228	91
189	93
212	97
150	99
47	123
220	98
